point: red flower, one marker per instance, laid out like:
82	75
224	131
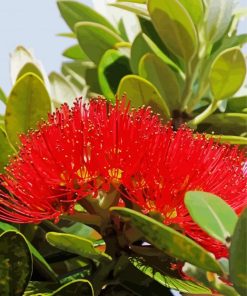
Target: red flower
76	153
181	162
96	145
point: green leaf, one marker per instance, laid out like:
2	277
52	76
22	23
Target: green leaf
76	53
30	68
112	68
74	12
36	254
194	8
76	71
163	78
28	103
138	9
225	123
237	104
171	282
212	214
227	73
62	90
76	245
138	49
142	92
82	230
170	241
95	39
217	18
6	150
155	49
174	26
238	255
3	97
15	263
18	59
76	287
230	139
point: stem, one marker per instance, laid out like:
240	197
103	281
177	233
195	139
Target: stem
208	111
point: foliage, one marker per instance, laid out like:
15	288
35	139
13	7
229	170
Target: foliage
186	59
186	62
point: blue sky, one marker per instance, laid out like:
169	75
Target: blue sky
34	24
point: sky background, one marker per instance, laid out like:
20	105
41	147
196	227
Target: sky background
34	24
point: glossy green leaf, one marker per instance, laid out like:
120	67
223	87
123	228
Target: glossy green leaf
225	123
174	26
82	230
112	68
6	150
142	92
28	103
30	68
155	49
227	73
138	49
76	53
137	8
74	12
36	254
163	78
238	255
217	18
171	282
212	214
170	241
95	39
237	104
61	89
194	8
3	97
15	263
76	287
76	245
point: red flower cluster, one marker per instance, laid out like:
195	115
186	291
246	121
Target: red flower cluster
96	145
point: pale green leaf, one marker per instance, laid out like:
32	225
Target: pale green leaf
175	27
95	39
28	103
138	9
76	53
163	78
74	12
217	18
227	73
142	92
62	91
